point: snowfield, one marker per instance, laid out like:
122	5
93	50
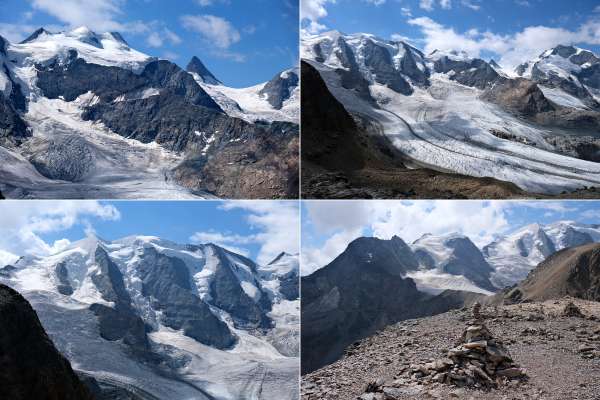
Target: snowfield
248	104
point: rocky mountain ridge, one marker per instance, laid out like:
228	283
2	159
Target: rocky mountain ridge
31	365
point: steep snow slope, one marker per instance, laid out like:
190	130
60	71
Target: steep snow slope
249	104
254	368
452	262
252	104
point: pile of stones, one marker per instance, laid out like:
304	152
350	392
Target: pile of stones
571	310
477	361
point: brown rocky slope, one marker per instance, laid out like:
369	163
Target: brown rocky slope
572	272
560	356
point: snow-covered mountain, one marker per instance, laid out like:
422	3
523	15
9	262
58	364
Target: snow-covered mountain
450	262
456	113
514	255
86	115
175	321
568	75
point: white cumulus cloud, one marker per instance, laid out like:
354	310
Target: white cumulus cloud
212	29
274	224
23	223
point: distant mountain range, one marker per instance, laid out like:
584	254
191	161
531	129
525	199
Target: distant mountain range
536	127
376	282
85	115
184	321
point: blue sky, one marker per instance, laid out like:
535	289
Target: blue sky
258	229
512	31
242	42
328	226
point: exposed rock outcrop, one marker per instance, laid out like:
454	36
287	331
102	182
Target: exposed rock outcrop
30	365
280	88
197	67
167	281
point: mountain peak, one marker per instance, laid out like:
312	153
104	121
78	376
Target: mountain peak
279	257
195	66
35	35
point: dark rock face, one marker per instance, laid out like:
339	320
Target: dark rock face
262	162
64	286
590	76
408	65
359	292
13	129
167	280
280	88
7	270
3	46
227	294
475	73
170	121
346	55
121	321
351	77
425	259
77	77
494	64
379	61
289	286
467	260
328	130
196	66
520	96
109	280
35	35
30	366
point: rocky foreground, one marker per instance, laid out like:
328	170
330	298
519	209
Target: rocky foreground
557	352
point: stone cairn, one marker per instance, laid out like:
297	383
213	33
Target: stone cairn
571	310
478	360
